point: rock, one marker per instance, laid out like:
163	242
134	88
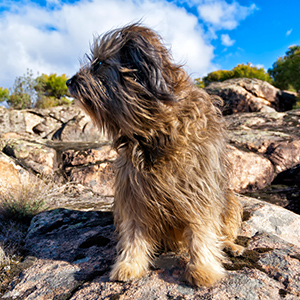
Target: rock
81	129
256	140
62	114
250	171
289	177
100	177
11	120
268	143
31	121
75	196
287	100
263	127
91	168
35	156
67	123
52	235
284	155
271	219
74	252
250	95
63	123
261	143
55	279
267	109
14	174
91	156
47	128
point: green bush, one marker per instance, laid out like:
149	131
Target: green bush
286	70
51	91
4	94
46	102
52	85
240	71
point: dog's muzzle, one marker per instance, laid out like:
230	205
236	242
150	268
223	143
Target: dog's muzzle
70	83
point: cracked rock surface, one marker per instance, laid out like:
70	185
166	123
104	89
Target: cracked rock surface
71	252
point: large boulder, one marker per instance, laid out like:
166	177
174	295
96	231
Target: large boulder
274	135
71	253
92	168
250	95
263	145
32	155
17	120
67	123
250	171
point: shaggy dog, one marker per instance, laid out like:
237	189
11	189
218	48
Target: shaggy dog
172	170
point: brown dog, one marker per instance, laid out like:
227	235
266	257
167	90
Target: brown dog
171	179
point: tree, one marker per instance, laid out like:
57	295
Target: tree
23	93
286	70
4	94
240	71
51	90
52	85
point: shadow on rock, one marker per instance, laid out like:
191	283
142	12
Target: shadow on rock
85	239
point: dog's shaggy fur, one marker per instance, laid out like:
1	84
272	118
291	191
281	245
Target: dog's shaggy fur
171	179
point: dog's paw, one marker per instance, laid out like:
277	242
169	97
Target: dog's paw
203	275
233	249
124	271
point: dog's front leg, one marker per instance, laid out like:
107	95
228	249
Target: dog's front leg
134	252
204	267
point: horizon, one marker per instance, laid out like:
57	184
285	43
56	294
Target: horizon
207	35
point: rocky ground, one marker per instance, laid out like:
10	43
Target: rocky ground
70	253
67	250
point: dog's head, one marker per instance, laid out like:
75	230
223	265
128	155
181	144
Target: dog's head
127	80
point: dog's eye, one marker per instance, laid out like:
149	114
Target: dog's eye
96	65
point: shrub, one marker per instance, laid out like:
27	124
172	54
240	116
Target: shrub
46	102
240	71
4	94
23	203
285	70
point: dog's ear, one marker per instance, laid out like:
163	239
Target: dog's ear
144	58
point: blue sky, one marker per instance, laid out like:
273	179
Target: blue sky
263	36
51	36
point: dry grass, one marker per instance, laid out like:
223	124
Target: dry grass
17	208
25	202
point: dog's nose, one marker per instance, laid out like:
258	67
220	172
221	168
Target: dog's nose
69	82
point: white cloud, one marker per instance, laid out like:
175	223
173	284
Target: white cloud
289	32
260	66
54	40
223	15
226	40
